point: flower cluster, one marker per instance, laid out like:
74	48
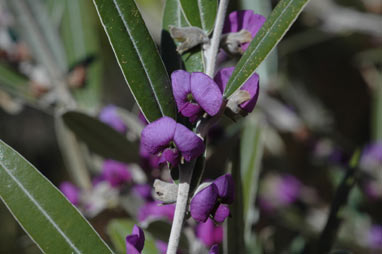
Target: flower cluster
213	200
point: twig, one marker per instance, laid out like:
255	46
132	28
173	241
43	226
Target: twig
212	51
185	175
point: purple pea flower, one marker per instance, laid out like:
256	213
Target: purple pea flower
116	173
372	156
71	192
251	86
109	115
211	200
209	233
169	139
244	19
135	242
374	237
214	249
156	210
143	191
194	93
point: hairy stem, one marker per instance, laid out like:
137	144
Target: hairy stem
185	175
215	41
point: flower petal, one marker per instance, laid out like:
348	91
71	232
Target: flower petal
226	188
131	241
71	192
214	249
221	213
203	203
116	173
171	156
206	93
208	233
222	76
157	135
181	87
252	87
141	238
190	145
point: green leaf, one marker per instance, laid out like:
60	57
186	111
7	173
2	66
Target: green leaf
251	153
101	138
138	57
192	60
82	44
200	13
278	23
234	227
43	212
118	229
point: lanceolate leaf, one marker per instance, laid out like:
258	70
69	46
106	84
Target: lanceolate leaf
101	138
43	212
138	57
200	13
193	59
14	83
278	23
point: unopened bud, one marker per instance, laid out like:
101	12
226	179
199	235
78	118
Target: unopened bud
239	97
231	42
188	37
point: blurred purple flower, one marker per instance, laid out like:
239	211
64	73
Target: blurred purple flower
251	86
156	210
161	246
194	93
169	138
244	19
109	116
135	242
372	156
116	173
289	189
374	237
143	191
209	233
142	117
214	249
210	200
71	192
373	189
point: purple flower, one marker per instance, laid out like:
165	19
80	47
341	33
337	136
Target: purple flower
209	233
169	138
210	200
214	249
144	191
244	19
374	237
372	156
156	210
251	86
109	115
71	192
161	246
116	173
194	93
135	241
289	189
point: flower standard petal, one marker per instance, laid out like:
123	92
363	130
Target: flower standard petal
206	93
157	135
226	188
203	203
181	87
190	145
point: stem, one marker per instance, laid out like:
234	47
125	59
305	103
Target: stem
185	174
212	51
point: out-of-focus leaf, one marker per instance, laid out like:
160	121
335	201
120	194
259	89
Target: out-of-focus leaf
234	227
43	212
138	57
193	59
377	109
14	83
81	40
118	229
161	230
101	138
277	24
41	35
200	13
251	152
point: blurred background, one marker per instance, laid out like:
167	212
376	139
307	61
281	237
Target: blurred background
320	103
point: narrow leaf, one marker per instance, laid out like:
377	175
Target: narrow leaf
193	59
138	57
101	138
118	229
43	212
278	23
15	83
200	13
